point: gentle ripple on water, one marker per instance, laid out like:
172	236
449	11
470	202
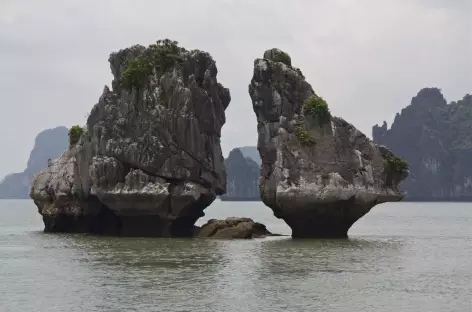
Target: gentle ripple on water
400	257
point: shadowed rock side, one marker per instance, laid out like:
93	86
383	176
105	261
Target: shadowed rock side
233	227
319	173
150	159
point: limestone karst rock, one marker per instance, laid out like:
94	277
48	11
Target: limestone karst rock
149	161
233	227
436	139
251	152
242	177
319	173
49	144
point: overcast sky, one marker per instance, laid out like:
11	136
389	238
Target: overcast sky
366	58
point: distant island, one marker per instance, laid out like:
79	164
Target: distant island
435	138
242	183
49	144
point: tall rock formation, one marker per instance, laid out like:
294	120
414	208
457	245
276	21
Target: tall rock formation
436	140
243	177
251	152
49	144
319	173
150	160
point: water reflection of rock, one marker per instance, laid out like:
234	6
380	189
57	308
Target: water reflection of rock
319	268
150	271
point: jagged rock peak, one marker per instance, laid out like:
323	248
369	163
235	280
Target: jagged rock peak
150	159
319	173
236	154
431	97
436	140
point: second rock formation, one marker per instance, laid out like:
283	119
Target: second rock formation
319	173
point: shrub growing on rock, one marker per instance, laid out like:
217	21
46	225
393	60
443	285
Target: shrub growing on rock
75	133
162	56
317	107
282	57
396	164
325	176
278	55
303	135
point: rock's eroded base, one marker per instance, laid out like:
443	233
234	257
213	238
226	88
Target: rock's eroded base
330	220
105	222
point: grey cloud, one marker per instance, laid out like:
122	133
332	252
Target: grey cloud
367	58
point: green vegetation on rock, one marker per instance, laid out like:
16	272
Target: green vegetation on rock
396	164
162	56
317	107
325	176
278	55
75	133
282	57
303	135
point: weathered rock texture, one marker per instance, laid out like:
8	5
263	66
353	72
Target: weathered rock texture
49	144
318	189
150	160
243	177
233	227
436	140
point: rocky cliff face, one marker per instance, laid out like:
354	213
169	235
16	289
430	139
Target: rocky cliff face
150	159
49	144
251	152
436	140
243	177
319	173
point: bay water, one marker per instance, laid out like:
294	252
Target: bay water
399	257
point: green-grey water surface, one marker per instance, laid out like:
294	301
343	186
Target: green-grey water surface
400	257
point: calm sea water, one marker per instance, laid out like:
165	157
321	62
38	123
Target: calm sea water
400	257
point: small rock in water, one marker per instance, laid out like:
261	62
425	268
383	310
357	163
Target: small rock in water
233	227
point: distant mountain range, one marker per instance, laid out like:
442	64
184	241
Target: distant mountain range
49	144
435	138
242	175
